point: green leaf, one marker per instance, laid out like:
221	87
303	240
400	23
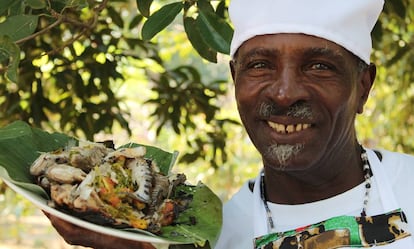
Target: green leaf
205	6
160	20
16	8
377	34
10	54
36	4
18	27
20	145
144	7
79	4
135	21
164	160
116	17
399	8
208	222
197	41
221	9
5	5
216	31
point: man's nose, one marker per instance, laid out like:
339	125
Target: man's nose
288	87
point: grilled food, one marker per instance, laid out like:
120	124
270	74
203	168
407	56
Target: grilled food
116	187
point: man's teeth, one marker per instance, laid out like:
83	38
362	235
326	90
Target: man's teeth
281	128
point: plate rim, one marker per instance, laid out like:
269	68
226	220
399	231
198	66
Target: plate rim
41	203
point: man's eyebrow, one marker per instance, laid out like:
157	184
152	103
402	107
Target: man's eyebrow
325	52
260	51
333	54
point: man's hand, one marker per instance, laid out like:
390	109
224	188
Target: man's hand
75	235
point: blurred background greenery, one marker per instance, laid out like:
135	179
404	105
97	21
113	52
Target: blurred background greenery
156	72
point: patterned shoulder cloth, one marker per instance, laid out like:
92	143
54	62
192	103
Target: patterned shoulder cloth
342	231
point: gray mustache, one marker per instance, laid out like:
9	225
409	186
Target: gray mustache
298	110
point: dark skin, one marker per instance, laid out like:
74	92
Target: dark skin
285	70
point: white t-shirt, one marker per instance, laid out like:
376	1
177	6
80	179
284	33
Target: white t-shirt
238	213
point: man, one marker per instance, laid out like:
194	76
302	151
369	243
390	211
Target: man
302	73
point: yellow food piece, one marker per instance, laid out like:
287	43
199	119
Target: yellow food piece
139	223
139	205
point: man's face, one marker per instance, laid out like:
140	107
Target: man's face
298	96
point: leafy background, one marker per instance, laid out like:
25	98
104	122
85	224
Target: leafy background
155	72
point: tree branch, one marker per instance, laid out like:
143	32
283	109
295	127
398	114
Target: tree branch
61	18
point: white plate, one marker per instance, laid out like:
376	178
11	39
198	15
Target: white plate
42	204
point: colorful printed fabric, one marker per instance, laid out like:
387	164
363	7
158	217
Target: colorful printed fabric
341	231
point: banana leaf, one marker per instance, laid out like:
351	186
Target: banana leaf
198	226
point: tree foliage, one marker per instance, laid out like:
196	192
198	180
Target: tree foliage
389	116
60	60
60	63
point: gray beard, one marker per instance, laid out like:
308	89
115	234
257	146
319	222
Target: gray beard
283	153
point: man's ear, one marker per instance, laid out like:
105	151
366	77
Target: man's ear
232	65
367	81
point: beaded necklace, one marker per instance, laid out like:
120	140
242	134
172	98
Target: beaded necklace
367	176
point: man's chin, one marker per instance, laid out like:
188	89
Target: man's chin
283	154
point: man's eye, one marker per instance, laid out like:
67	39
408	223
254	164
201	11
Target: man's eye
320	66
258	65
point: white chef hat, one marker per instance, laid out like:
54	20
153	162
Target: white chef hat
348	23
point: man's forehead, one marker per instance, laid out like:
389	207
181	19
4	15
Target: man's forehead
274	44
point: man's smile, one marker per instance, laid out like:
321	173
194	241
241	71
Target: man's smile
288	129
